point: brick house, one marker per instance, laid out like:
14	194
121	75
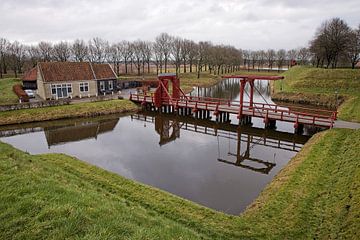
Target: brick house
57	80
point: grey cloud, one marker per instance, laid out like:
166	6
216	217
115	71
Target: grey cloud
257	24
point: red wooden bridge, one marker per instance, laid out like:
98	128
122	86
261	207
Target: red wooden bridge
202	107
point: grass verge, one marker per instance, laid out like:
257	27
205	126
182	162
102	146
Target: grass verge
66	111
56	196
7	95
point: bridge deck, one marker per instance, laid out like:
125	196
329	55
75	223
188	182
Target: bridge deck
261	110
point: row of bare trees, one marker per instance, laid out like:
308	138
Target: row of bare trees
141	56
165	52
336	43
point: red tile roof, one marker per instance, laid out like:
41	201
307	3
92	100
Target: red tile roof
103	71
30	75
75	71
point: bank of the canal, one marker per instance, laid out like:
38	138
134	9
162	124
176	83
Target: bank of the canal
67	111
57	196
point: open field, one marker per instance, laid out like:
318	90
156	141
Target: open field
7	95
316	85
66	111
56	196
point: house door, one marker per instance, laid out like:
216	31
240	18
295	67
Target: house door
59	91
64	91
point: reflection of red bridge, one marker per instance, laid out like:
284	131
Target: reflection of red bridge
202	107
168	127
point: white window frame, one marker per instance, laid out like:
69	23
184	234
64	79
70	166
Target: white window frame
61	85
84	85
111	85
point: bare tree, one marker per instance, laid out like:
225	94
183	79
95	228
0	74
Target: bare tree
164	41
126	53
291	55
353	48
62	51
203	52
158	57
137	53
193	53
254	56
262	58
113	57
281	57
46	50
176	47
185	49
17	54
3	49
303	55
147	54
34	55
331	41
270	57
79	50
97	50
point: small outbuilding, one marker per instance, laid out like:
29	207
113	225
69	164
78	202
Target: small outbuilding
57	80
29	79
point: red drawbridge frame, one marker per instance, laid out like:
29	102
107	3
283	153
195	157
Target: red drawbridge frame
201	107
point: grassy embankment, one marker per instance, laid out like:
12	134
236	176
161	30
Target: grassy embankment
7	95
66	111
318	86
56	196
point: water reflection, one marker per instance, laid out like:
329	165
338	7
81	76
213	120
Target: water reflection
169	126
78	131
230	89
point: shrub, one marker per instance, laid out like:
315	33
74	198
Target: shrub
18	90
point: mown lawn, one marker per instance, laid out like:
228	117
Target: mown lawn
321	85
66	111
7	95
54	196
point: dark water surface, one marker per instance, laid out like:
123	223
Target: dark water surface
220	166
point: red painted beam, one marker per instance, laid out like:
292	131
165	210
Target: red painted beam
253	77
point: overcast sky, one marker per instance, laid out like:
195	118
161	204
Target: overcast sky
246	24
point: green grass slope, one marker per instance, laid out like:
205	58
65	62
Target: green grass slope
54	196
319	85
7	95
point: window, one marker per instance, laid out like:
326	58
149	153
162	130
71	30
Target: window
53	89
84	87
69	88
111	87
102	86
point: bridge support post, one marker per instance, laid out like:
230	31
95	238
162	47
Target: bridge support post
245	120
299	129
271	124
242	90
251	100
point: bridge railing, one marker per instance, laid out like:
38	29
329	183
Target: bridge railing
265	110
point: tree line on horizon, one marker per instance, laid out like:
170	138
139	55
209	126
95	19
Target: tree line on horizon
334	44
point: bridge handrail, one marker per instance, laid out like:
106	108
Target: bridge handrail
273	105
229	104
